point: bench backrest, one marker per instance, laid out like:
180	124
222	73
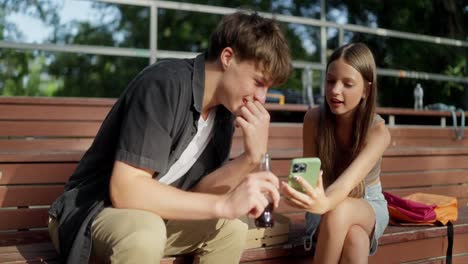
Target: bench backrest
42	140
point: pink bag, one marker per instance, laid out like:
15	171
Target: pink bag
424	209
403	211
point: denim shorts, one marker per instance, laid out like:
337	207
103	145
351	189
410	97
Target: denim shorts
373	195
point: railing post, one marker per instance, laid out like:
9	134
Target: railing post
391	120
443	121
153	34
323	46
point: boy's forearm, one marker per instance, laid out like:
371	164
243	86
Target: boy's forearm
227	177
168	202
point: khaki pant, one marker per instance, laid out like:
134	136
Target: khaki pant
136	236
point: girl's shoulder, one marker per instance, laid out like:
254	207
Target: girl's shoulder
312	115
378	128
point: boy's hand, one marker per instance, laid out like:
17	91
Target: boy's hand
249	197
254	120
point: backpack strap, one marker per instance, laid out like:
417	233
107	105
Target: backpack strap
448	259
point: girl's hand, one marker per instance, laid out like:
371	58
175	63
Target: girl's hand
312	200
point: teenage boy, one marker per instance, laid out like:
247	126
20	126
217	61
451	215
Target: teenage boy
161	156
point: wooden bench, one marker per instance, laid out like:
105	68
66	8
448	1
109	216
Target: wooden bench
42	139
393	115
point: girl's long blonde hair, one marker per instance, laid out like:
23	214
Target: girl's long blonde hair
359	56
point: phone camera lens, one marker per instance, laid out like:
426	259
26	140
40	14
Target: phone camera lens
300	167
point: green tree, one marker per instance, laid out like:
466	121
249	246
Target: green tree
89	75
444	18
104	76
21	71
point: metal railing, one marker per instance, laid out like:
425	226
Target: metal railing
153	53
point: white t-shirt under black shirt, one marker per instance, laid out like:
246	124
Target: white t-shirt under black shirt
193	150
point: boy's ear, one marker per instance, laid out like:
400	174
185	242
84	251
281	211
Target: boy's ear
226	57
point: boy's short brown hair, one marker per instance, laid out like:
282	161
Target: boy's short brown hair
255	38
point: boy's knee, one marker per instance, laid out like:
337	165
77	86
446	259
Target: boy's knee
236	230
120	234
144	242
144	229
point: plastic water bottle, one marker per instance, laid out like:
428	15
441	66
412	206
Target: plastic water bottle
418	96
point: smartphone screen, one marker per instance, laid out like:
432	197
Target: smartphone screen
307	168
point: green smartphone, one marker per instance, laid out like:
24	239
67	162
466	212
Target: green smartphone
307	168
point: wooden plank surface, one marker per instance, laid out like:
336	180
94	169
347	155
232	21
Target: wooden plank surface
405	170
428	142
36	253
45	144
421	249
53	112
23	218
423	178
37	100
12	196
11	238
35	173
424	163
40	156
49	128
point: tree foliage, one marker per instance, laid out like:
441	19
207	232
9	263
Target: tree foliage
68	74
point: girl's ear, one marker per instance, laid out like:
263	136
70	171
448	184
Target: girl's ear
366	90
226	57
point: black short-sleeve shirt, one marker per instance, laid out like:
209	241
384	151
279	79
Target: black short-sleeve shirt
149	127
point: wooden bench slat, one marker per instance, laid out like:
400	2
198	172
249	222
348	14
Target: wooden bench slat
42	139
49	128
40	156
41	144
55	112
426	151
10	238
422	142
81	101
415	132
23	218
266	253
421	178
424	163
36	253
412	250
410	111
37	173
463	202
457	259
12	196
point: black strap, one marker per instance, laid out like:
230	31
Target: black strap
448	259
